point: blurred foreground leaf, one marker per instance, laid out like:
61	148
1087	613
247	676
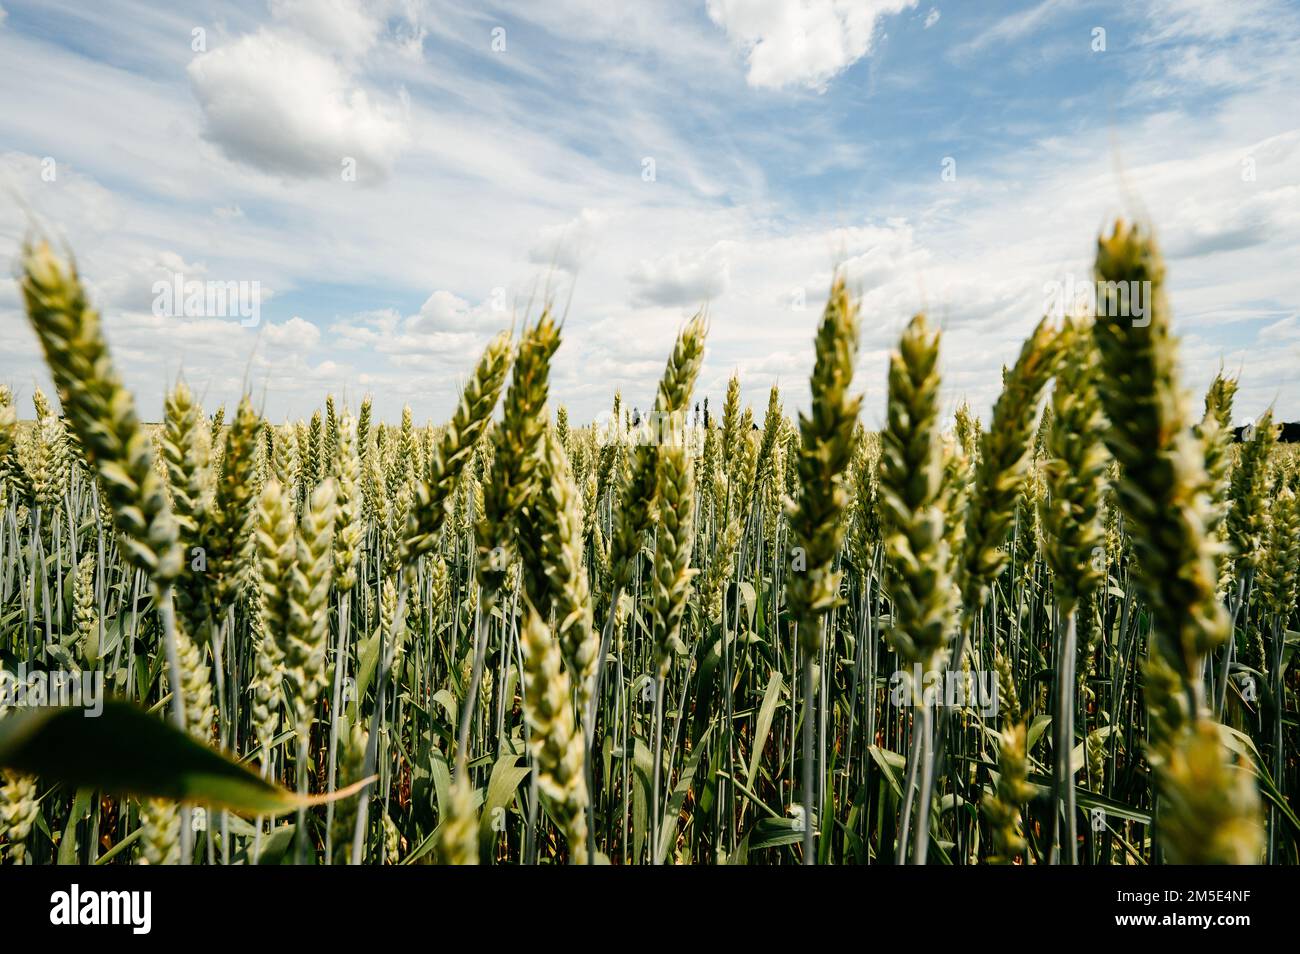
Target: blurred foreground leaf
124	749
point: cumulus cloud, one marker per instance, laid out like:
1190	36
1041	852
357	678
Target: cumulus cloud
448	331
295	334
444	311
801	42
565	246
675	279
287	109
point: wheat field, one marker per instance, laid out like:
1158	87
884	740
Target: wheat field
689	636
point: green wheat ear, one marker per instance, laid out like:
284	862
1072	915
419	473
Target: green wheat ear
672	562
85	612
276	543
454	448
550	544
515	443
1162	490
1248	514
19	810
1000	475
186	452
1215	433
227	533
160	825
308	632
912	501
196	683
349	527
556	739
1279	565
636	495
1076	472
8	421
458	826
1011	792
1209	806
816	519
1209	810
739	486
101	411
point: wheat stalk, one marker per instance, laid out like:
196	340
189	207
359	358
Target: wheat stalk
816	517
1162	493
556	740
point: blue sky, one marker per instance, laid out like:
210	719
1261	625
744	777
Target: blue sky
503	155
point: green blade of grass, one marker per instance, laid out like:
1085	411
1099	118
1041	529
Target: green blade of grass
124	749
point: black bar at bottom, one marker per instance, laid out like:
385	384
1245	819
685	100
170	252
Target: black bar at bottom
341	905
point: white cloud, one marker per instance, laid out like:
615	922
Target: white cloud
72	200
1208	19
444	311
1014	26
3	15
932	17
409	43
1196	45
130	285
678	280
878	255
287	109
566	246
294	334
801	42
343	26
1286	329
414	342
480	198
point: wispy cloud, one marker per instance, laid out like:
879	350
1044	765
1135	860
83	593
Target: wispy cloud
491	175
1014	26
